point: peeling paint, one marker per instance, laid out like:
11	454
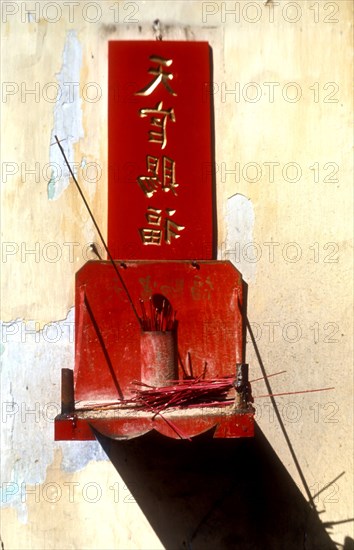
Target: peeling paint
51	186
30	380
76	457
67	114
239	222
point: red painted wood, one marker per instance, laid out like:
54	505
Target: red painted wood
160	178
70	428
226	426
206	298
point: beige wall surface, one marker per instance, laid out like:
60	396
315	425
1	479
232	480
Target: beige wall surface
282	98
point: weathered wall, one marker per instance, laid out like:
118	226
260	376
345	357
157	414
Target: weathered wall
282	100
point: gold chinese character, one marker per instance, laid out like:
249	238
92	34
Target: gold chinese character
160	74
168	229
169	175
158	120
150	183
153	216
150	236
172	228
201	288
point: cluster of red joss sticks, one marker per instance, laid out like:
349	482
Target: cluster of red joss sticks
161	318
197	393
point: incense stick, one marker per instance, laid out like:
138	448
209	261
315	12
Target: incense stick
293	392
98	230
160	318
268	376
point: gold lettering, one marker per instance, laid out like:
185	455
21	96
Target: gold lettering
158	119
161	77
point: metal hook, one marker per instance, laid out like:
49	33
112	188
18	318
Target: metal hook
95	251
157	29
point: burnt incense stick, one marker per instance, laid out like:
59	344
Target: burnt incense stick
98	230
293	392
268	376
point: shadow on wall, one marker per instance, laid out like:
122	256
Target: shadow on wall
226	493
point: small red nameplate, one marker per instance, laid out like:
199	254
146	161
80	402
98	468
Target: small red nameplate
160	197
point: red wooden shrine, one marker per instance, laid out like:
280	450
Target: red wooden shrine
165	321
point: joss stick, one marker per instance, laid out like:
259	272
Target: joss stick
180	434
98	230
157	318
293	392
268	376
143	310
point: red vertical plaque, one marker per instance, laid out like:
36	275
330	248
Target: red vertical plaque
160	152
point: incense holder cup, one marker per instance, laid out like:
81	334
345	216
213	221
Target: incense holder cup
159	366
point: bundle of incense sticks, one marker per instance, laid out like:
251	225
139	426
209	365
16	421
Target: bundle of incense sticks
184	394
160	317
195	393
